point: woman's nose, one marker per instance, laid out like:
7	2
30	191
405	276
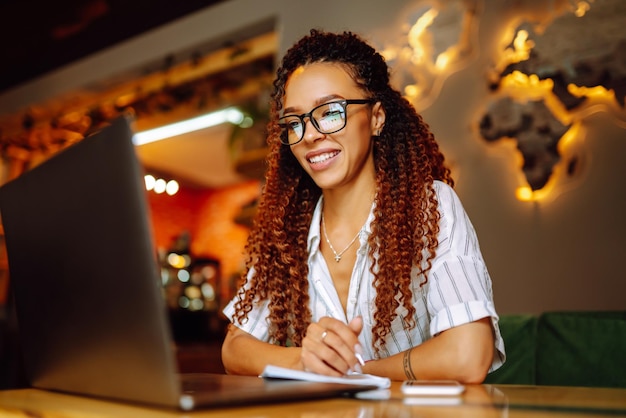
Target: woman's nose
310	131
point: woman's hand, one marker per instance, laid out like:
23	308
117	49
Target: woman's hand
331	347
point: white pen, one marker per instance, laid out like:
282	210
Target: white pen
327	300
360	358
333	312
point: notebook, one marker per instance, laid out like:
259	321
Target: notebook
87	288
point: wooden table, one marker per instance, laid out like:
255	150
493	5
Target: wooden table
481	401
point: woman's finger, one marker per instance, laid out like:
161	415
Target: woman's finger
334	344
319	357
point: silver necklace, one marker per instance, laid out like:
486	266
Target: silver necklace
340	253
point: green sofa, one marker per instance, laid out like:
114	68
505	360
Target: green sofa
564	349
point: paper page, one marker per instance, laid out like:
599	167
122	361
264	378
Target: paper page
276	372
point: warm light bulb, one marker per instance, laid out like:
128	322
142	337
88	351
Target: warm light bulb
171	187
159	186
150	181
176	261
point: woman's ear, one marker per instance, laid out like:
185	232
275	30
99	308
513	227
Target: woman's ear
378	118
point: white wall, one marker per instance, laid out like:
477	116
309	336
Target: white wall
562	253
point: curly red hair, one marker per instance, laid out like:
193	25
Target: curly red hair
406	220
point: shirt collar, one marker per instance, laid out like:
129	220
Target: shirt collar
313	241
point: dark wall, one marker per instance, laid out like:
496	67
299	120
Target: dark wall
37	37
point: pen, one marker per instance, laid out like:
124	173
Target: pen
360	358
333	312
327	300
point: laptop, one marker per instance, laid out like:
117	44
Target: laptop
83	268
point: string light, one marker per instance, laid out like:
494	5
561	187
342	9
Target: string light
159	185
171	188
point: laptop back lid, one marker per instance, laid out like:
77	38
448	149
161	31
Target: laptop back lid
84	274
87	290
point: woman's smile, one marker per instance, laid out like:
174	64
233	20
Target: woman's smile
318	160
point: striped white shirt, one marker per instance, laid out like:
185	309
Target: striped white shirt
458	290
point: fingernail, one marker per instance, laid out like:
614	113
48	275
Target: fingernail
358	353
360	358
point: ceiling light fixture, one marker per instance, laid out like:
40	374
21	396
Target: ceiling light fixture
230	114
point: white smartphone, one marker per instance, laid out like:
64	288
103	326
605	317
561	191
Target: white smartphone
432	387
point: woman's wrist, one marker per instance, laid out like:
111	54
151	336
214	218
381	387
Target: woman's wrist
368	366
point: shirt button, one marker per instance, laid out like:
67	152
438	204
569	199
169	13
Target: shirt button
353	301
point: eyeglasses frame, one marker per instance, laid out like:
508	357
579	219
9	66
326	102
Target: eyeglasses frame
343	102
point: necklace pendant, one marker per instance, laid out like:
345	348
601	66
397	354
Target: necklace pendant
340	253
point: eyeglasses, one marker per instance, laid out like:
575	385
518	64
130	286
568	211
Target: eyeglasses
327	118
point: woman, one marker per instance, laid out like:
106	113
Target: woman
360	249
